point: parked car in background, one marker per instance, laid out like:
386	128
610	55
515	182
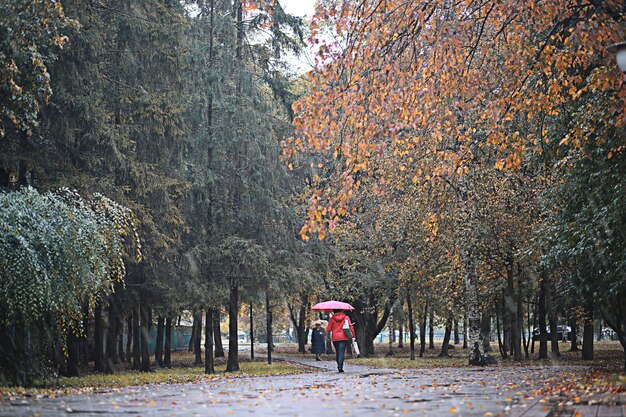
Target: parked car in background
608	334
563	333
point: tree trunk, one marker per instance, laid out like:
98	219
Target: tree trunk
158	350
431	329
519	322
197	342
129	337
508	310
251	333
110	353
167	359
73	352
409	306
303	329
529	342
574	342
541	317
401	322
554	337
614	316
446	340
194	332
501	346
477	355
423	331
465	331
209	363
268	326
485	330
98	339
511	305
217	334
144	334
299	321
391	332
120	338
233	338
457	338
587	353
366	325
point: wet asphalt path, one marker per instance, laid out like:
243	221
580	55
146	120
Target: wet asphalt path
360	391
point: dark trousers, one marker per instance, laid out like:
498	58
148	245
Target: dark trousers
340	351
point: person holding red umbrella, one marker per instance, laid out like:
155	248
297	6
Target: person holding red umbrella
342	333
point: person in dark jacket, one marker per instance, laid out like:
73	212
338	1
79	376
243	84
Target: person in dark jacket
338	335
318	338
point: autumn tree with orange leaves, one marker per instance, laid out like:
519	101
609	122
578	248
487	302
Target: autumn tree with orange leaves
436	85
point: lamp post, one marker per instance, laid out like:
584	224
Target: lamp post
619	50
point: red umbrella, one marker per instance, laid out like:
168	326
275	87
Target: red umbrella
329	306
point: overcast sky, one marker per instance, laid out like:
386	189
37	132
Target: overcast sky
299	7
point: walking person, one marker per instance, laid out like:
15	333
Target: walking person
342	333
318	340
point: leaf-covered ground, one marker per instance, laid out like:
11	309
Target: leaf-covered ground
606	369
602	375
182	370
537	391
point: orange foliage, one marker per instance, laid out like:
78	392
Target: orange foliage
429	84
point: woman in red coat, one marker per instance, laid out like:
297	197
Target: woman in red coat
339	337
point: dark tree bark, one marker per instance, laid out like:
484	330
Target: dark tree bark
217	334
409	306
129	337
465	331
144	334
268	326
194	332
98	339
167	359
528	342
614	314
431	329
136	338
197	342
73	354
232	364
587	353
366	325
552	320
501	346
251	333
111	340
512	311
485	330
519	321
446	340
541	316
209	362
401	327
457	338
158	350
574	341
391	333
120	338
84	340
423	331
299	320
